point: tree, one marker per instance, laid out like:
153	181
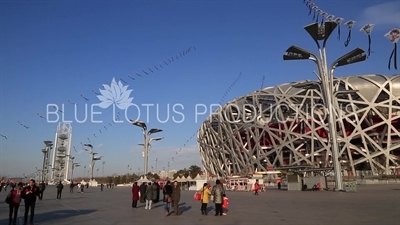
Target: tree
182	172
194	170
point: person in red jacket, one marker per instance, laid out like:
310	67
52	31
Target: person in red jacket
256	187
30	194
16	194
135	195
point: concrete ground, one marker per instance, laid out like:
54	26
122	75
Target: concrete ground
372	204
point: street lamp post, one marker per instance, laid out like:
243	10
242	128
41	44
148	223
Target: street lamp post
321	32
127	173
72	171
97	172
93	158
46	157
147	141
156	165
104	162
168	169
84	172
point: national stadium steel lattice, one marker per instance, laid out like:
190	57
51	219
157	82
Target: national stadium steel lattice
286	125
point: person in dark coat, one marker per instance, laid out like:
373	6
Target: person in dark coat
176	197
167	199
158	192
142	192
30	194
135	195
155	189
60	187
42	187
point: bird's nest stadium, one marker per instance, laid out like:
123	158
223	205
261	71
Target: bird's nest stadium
286	126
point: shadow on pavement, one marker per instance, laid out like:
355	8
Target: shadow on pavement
185	209
55	215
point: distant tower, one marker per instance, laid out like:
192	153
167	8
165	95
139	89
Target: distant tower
61	153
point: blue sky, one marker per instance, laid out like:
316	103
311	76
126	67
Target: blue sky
55	51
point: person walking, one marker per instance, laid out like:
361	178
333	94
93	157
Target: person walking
60	187
155	190
205	195
14	203
176	197
42	187
30	194
101	186
142	189
71	187
149	196
135	195
256	187
225	204
218	192
167	199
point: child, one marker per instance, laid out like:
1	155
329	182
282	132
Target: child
225	203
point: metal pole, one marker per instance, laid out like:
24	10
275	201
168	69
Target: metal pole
72	172
328	86
156	165
146	151
103	168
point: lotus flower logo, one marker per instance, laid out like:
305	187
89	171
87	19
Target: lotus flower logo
116	94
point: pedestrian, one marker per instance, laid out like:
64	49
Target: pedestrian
15	201
225	204
167	192
101	186
143	192
135	195
176	197
82	187
42	187
149	196
30	194
155	194
60	187
256	187
217	193
205	195
71	187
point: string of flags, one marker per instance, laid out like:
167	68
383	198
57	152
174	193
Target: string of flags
150	69
221	101
393	35
230	88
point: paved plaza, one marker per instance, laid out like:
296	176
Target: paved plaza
372	204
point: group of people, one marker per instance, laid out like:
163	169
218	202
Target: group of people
149	193
217	195
14	198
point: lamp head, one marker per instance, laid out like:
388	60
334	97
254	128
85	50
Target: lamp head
139	124
88	145
157	138
48	143
319	31
295	53
357	55
154	130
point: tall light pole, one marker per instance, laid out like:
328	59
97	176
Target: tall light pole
104	162
72	171
127	173
93	158
168	169
84	172
156	165
97	172
46	160
147	141
321	32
